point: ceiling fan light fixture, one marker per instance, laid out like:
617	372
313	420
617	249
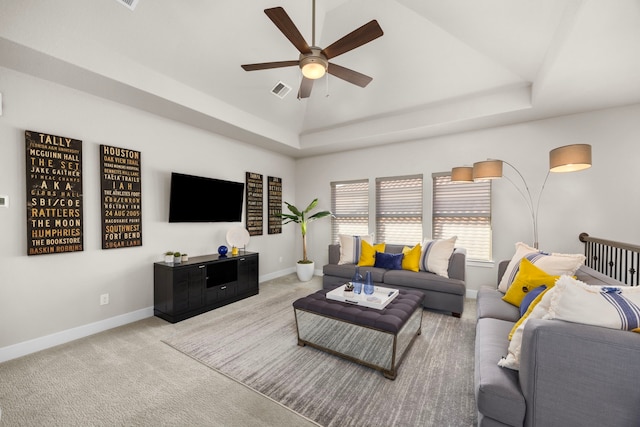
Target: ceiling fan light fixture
313	66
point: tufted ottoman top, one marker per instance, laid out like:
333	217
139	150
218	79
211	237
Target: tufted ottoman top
390	319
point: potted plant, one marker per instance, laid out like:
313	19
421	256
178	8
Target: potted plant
168	257
304	267
185	257
177	257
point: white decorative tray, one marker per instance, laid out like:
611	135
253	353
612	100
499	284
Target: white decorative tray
380	298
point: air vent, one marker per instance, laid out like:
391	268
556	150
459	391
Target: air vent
131	4
281	90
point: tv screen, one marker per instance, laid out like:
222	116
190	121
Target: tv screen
199	199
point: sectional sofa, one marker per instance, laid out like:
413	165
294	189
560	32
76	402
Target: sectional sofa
570	374
441	293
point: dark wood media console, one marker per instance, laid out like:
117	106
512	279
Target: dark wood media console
203	283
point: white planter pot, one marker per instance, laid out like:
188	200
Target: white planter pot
305	271
168	259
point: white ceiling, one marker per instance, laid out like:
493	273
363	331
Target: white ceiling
441	66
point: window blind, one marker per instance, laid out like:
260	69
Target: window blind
350	208
463	209
399	210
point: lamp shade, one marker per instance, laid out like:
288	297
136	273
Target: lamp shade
462	174
570	158
488	169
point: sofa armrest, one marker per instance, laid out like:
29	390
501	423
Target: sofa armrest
458	264
573	374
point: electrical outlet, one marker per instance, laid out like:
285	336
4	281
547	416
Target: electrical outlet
104	299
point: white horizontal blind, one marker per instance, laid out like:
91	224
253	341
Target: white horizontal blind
350	208
399	210
463	209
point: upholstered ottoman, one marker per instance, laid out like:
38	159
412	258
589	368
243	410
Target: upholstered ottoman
375	338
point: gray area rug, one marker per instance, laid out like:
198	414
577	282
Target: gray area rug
257	346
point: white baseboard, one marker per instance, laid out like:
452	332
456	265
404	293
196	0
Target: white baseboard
276	274
22	349
472	293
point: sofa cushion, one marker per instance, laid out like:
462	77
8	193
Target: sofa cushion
388	261
350	247
498	394
435	255
411	259
528	278
425	281
614	307
489	304
552	263
368	253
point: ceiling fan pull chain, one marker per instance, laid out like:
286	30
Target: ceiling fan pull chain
327	78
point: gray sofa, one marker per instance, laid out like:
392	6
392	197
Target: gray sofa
570	374
441	293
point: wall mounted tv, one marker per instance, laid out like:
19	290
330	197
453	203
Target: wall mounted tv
199	199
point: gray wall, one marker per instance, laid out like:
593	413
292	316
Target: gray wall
602	201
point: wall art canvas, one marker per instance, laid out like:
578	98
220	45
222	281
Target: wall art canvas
54	194
121	192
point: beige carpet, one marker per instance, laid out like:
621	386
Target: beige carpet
257	347
128	377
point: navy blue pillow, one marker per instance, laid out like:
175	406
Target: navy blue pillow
388	261
529	297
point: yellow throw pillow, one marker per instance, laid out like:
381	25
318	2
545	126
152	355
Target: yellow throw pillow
529	310
368	253
529	277
411	259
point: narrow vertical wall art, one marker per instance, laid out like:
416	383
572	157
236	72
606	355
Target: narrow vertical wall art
121	190
275	205
54	194
254	189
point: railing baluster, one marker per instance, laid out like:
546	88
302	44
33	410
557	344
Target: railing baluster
618	260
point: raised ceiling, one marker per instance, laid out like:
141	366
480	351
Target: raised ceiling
441	66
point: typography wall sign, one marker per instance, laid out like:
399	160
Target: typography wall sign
54	194
121	190
254	203
275	205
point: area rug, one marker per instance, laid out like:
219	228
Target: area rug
257	346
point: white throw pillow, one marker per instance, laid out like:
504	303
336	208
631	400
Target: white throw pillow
554	264
606	306
540	311
435	255
350	247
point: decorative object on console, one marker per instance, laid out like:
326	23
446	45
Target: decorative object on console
222	250
185	257
237	237
304	267
569	158
168	257
177	257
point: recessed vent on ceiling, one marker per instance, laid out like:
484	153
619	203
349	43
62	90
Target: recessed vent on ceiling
281	90
131	4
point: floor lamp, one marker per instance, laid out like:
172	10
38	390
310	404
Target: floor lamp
570	158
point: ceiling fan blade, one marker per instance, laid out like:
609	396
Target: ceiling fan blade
305	88
267	65
288	28
363	35
349	75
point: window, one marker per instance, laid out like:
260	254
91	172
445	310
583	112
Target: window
399	209
463	209
350	208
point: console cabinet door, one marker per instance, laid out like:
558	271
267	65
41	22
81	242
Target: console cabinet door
248	274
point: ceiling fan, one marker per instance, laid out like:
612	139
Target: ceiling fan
313	60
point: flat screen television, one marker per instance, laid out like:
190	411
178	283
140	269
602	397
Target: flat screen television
199	199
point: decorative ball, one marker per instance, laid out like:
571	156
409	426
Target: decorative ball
222	250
